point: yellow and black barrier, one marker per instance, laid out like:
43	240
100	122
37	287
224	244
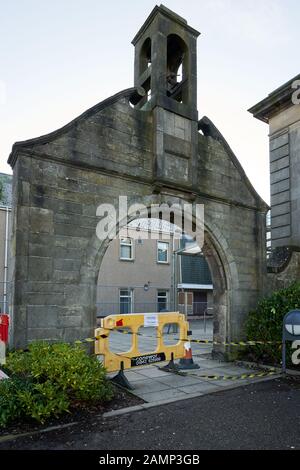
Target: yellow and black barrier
132	358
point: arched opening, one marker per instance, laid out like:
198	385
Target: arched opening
139	274
177	67
145	63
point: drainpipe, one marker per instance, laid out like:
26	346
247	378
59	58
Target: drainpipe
5	263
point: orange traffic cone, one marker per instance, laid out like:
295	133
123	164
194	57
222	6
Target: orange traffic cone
187	362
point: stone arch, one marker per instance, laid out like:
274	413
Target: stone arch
221	263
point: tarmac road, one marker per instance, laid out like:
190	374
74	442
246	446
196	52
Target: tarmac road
264	415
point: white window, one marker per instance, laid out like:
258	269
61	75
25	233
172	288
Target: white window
126	248
162	300
126	296
162	252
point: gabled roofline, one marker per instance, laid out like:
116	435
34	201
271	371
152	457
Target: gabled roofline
210	130
277	101
129	93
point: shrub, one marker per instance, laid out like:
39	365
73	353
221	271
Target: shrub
25	398
48	378
9	403
265	323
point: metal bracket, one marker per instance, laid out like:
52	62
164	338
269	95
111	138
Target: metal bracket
121	380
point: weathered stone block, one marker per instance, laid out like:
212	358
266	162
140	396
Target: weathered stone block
69	321
41	316
279	141
41	220
280	187
280	175
39	269
62	264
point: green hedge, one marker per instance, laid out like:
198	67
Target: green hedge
48	379
265	324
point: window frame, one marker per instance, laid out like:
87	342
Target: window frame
129	296
157	250
166	298
131	245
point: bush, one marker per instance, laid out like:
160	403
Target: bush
24	398
9	404
265	323
48	378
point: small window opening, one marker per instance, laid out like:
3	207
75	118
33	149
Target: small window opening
176	68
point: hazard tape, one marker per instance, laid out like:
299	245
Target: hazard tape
128	332
96	338
87	340
197	341
234	377
225	377
209	341
232	343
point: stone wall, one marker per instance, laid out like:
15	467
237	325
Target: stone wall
283	278
60	180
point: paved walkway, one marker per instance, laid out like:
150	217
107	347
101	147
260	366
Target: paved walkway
156	386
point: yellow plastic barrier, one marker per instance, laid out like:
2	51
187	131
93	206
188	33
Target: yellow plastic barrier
133	357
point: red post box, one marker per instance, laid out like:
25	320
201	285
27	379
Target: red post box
4	323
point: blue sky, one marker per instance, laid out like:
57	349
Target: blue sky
59	58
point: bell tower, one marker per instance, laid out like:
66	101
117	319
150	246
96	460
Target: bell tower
166	67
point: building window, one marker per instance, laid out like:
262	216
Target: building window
162	252
162	300
126	300
126	249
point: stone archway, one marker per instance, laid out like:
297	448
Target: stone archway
151	152
221	264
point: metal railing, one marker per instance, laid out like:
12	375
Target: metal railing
114	308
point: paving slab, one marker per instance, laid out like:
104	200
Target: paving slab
154	385
153	372
149	385
200	387
174	381
163	395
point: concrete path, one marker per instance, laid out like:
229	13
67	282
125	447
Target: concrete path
156	386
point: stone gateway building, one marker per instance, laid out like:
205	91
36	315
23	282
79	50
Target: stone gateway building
146	143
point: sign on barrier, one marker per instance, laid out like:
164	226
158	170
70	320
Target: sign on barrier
133	358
